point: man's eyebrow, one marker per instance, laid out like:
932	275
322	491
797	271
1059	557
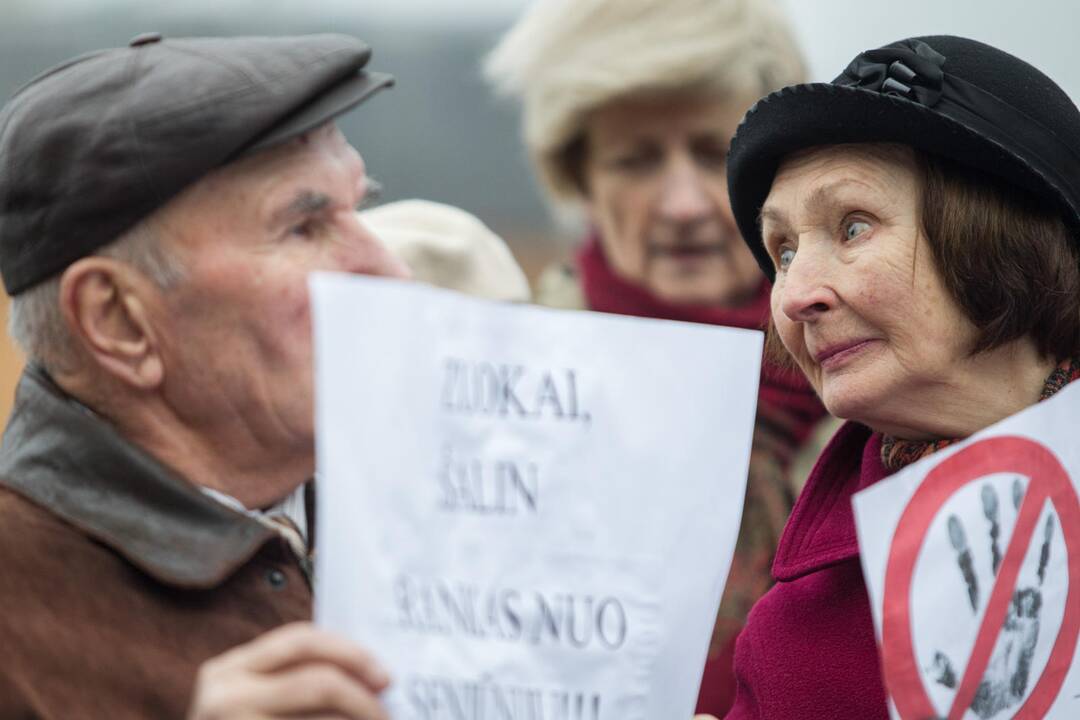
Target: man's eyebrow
373	190
306	202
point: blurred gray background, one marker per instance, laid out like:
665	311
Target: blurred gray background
440	134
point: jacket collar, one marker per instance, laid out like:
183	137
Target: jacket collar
821	530
64	457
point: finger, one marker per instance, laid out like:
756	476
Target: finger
226	693
946	674
990	502
300	643
963	559
1044	552
1017	492
315	690
990	510
956	534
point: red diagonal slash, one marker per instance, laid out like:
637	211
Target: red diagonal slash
1048	481
1000	598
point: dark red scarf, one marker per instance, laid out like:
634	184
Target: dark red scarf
784	396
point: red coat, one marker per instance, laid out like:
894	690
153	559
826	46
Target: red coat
808	648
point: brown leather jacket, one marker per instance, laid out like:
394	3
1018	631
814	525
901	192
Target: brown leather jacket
117	577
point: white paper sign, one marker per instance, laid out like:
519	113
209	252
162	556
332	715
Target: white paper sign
523	512
972	561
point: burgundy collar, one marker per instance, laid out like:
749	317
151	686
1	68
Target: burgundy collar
608	292
821	530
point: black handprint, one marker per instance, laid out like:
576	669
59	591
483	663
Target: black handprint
990	509
1006	678
963	559
1044	553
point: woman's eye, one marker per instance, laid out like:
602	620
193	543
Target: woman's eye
635	162
785	257
711	156
855	228
306	229
631	162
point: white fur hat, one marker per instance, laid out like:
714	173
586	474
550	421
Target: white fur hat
565	58
450	248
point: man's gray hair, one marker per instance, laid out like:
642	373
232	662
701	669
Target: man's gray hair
36	323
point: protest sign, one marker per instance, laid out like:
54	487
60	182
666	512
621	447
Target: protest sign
972	562
524	512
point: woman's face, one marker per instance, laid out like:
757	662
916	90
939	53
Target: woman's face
656	189
857	300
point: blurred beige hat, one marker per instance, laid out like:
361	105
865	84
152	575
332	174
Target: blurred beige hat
565	58
450	248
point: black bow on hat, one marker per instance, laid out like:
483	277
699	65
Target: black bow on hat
912	70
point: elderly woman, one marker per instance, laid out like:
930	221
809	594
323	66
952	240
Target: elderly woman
629	108
920	218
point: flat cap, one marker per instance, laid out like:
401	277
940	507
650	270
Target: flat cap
96	144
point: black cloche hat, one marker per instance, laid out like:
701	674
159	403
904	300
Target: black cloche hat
94	145
943	95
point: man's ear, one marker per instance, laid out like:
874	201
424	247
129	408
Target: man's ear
106	304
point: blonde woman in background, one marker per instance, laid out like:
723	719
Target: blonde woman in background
628	109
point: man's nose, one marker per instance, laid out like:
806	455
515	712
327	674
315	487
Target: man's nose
383	261
685	196
390	265
805	288
368	255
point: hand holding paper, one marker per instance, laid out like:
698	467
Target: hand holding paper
295	670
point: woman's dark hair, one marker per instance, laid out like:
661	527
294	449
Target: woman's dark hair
1005	256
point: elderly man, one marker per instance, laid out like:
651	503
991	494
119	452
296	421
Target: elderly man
161	206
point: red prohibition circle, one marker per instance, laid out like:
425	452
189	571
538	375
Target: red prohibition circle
1048	481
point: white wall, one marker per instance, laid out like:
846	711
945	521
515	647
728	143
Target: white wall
1046	33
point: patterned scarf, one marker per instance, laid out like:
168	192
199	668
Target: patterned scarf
897	453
